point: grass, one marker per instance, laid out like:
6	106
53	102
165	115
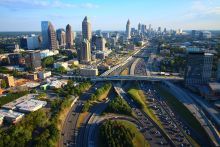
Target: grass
104	95
139	97
139	140
125	72
81	118
183	112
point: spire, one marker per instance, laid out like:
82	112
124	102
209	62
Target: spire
85	19
128	22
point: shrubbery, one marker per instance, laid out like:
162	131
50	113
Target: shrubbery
113	133
120	106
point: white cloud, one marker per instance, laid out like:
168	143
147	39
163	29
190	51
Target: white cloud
202	8
40	4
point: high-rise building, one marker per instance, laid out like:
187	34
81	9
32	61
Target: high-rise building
45	35
139	27
61	37
9	81
85	52
33	60
52	38
86	29
33	42
100	44
128	29
69	37
23	42
199	68
218	71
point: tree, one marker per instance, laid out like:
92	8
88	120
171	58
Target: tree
61	70
48	62
3	84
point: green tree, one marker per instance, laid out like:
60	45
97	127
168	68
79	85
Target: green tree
3	84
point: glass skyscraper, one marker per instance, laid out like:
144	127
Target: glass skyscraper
45	35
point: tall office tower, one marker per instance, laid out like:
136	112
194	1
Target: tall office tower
52	38
45	35
85	53
33	42
159	29
218	71
33	60
69	37
100	44
143	28
86	29
61	37
150	27
139	27
199	68
128	29
193	33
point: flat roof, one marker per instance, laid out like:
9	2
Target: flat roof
31	105
12	105
10	113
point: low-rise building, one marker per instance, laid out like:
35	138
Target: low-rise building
32	76
12	105
89	72
47	53
30	105
9	81
11	116
59	64
74	62
57	84
44	74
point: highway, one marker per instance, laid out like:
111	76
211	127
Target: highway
198	113
154	135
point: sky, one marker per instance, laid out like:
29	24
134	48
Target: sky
26	15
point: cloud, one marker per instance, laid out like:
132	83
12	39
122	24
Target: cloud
203	9
42	4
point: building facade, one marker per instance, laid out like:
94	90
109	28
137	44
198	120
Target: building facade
100	44
85	53
199	68
33	60
44	32
69	37
128	30
86	29
52	38
61	37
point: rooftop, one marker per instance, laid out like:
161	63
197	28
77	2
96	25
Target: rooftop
31	105
10	113
12	105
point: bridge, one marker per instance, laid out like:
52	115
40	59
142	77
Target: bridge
136	78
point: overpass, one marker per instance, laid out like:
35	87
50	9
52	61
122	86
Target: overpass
140	56
135	78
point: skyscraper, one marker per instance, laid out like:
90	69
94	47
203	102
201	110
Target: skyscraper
85	53
199	68
86	29
139	27
100	44
52	39
61	37
44	31
128	30
69	37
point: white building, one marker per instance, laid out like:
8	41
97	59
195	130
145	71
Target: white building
47	53
207	34
59	64
57	84
11	116
33	42
30	105
44	74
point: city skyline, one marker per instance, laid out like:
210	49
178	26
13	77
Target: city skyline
187	15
